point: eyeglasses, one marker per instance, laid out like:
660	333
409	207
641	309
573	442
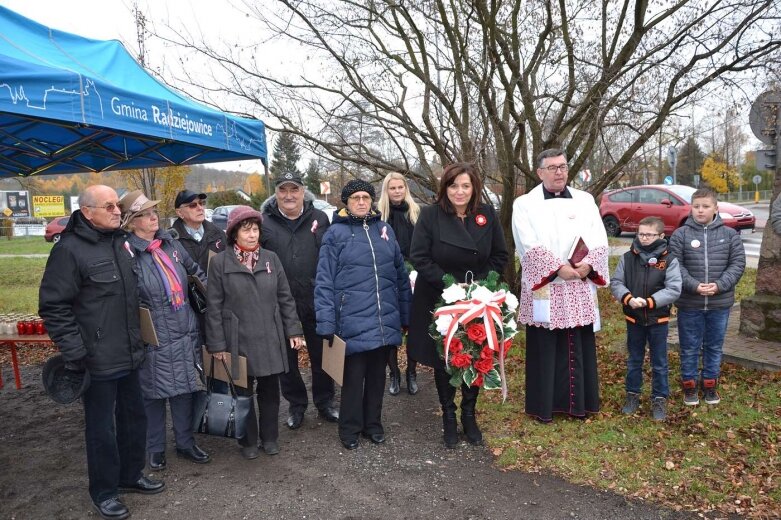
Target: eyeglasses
194	204
109	206
561	167
648	235
359	198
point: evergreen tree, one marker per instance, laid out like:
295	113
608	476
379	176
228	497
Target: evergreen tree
312	178
286	156
690	161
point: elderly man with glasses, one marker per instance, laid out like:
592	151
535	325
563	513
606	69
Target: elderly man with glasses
563	248
199	237
89	302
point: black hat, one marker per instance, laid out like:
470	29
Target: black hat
355	186
63	386
187	196
289	177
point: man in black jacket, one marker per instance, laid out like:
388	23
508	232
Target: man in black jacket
294	229
89	303
199	237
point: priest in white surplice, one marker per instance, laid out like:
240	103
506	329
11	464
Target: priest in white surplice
558	301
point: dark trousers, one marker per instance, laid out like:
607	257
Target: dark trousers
181	417
362	393
115	433
263	425
636	338
293	387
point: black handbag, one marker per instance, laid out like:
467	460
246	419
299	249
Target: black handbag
223	415
196	297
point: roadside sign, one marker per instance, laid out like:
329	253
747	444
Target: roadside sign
585	175
16	202
668	180
757	179
325	188
48	205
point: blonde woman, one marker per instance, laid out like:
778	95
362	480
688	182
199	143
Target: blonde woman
399	210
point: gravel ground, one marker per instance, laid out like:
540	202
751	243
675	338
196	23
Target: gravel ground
43	472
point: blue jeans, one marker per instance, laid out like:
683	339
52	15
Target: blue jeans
115	433
636	338
701	331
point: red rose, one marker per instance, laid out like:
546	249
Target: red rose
455	346
484	365
507	344
476	332
487	353
461	360
478	380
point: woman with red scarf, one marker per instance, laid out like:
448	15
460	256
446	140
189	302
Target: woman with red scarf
251	312
168	371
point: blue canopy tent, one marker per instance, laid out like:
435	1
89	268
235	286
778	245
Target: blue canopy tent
70	104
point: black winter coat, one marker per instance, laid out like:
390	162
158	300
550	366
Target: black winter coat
297	244
708	254
442	244
213	240
169	367
89	299
402	227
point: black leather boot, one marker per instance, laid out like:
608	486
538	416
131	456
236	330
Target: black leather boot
446	395
395	374
412	377
468	421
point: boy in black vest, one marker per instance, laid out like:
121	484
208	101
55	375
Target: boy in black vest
647	281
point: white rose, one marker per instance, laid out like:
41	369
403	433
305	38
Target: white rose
443	322
453	293
482	294
511	301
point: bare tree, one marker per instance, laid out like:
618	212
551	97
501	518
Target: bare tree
491	82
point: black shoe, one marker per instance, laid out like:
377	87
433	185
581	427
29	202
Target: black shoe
270	448
157	461
350	445
329	413
376	438
395	381
412	382
250	452
194	454
144	485
294	420
112	509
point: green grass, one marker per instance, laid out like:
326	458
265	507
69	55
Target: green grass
20	279
24	246
723	459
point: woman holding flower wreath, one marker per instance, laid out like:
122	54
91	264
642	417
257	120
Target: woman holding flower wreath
455	235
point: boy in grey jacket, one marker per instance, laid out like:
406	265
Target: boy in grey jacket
647	282
712	260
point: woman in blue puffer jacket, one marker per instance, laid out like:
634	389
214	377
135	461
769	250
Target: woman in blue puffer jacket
362	295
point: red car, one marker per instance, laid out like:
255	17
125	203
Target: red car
623	209
55	228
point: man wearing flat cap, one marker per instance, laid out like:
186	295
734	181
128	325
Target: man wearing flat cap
199	237
293	229
88	300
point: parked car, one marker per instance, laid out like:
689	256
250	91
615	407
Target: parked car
325	207
208	214
55	228
220	216
623	209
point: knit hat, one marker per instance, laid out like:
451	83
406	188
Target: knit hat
134	202
355	186
237	216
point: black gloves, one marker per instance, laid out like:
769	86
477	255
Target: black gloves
76	366
330	339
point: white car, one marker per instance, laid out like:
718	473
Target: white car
326	208
208	213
